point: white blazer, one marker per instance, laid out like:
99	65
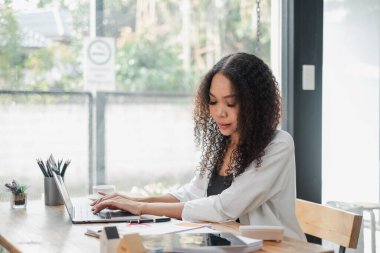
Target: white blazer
259	196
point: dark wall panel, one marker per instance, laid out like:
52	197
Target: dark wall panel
308	41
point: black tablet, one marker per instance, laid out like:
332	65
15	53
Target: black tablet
183	241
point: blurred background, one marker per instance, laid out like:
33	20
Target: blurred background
110	85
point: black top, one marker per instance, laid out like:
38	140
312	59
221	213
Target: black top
218	183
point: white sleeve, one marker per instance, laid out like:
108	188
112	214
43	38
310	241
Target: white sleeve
195	189
250	189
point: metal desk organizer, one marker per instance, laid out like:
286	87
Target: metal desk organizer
52	195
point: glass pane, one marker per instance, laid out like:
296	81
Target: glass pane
149	143
34	125
351	100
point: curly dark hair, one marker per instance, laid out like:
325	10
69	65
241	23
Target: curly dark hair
259	99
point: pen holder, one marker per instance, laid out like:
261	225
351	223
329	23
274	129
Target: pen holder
52	195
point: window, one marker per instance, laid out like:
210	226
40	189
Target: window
143	125
351	101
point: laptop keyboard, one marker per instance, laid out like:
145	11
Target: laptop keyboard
83	212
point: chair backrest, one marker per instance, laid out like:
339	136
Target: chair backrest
328	223
4	243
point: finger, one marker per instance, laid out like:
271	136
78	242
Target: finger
108	196
96	201
106	204
97	208
105	197
114	194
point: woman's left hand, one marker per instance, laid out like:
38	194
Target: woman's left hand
131	206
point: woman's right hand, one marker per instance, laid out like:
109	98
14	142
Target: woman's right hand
118	203
112	196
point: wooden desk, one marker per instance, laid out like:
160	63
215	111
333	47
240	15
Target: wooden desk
40	228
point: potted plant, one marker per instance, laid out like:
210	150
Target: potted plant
19	195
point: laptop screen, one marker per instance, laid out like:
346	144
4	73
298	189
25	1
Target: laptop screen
65	195
103	216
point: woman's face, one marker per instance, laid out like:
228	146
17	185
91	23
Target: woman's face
223	105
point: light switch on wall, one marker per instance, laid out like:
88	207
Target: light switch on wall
308	77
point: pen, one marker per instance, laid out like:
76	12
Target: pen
65	165
59	166
141	221
154	220
49	170
161	219
42	167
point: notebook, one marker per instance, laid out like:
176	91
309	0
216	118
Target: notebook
82	213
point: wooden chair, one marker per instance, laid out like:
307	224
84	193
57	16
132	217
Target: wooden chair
8	246
328	223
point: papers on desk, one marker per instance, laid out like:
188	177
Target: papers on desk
153	237
173	226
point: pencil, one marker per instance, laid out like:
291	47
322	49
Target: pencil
67	162
40	165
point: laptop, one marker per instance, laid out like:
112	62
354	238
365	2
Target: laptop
82	213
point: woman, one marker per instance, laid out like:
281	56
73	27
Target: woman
247	169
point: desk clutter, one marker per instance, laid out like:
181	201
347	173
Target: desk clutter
52	194
174	236
170	226
47	229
